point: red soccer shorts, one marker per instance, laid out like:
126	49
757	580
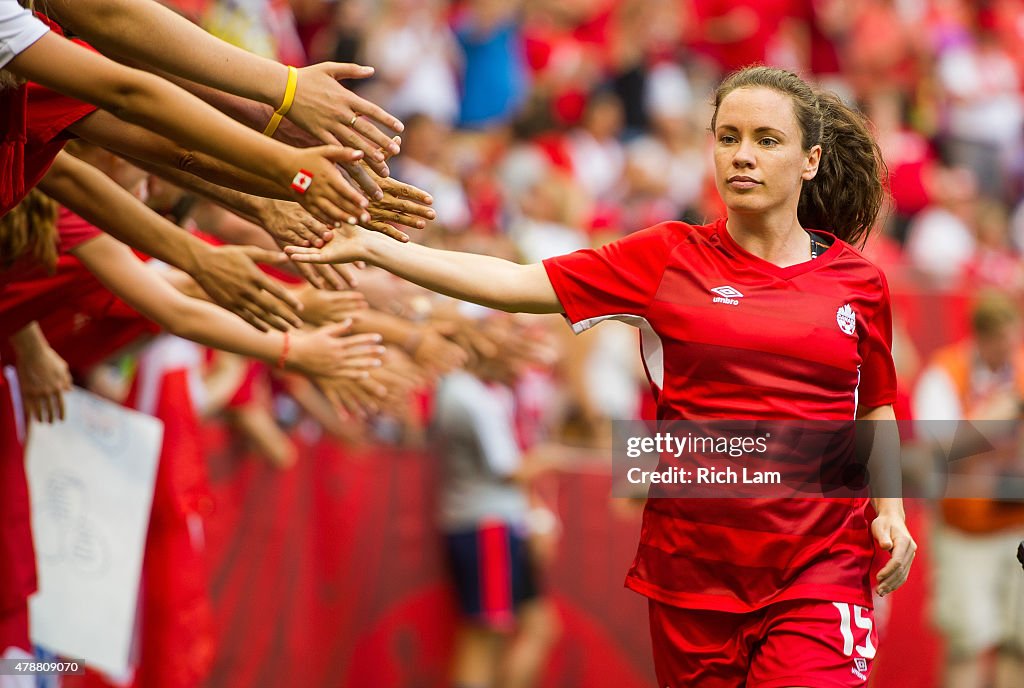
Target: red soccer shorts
805	643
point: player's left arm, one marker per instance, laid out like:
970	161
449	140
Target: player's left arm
889	527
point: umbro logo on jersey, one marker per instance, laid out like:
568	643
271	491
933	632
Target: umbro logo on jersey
728	295
846	319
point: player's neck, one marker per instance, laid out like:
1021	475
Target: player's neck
778	240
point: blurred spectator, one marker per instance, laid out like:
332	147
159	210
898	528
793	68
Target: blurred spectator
881	50
506	628
985	126
543	227
645	35
415	55
264	27
666	169
940	241
736	33
597	154
907	155
494	78
995	262
948	23
979	590
564	69
349	24
668	91
424	163
826	23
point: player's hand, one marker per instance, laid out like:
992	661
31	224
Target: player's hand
43	377
327	353
338	277
336	115
290	224
890	532
345	247
228	274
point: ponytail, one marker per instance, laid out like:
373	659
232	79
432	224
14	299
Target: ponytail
846	194
30	229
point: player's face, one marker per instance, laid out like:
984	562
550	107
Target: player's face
760	163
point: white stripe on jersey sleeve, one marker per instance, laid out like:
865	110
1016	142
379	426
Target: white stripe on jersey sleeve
650	343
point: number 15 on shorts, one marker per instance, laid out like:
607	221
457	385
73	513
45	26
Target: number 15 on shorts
854	616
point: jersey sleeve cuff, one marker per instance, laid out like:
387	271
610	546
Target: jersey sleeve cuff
558	282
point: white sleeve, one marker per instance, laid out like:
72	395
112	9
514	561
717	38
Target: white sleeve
18	30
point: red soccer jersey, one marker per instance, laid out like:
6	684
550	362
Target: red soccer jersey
32	124
728	335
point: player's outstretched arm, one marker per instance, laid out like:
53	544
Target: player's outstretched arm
486	280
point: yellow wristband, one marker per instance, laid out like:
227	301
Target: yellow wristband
286	104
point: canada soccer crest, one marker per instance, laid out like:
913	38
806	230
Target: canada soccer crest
846	319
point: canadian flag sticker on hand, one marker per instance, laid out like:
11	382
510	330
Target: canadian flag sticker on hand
302	180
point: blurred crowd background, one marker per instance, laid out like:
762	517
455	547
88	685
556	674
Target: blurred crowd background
540	127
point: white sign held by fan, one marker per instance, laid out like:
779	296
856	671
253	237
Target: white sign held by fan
91	484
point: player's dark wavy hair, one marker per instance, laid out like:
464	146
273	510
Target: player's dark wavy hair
846	194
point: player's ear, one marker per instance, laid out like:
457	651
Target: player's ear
811	162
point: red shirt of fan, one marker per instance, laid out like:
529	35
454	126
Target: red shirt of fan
28	292
725	334
33	120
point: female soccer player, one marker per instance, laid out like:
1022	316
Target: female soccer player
755	317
